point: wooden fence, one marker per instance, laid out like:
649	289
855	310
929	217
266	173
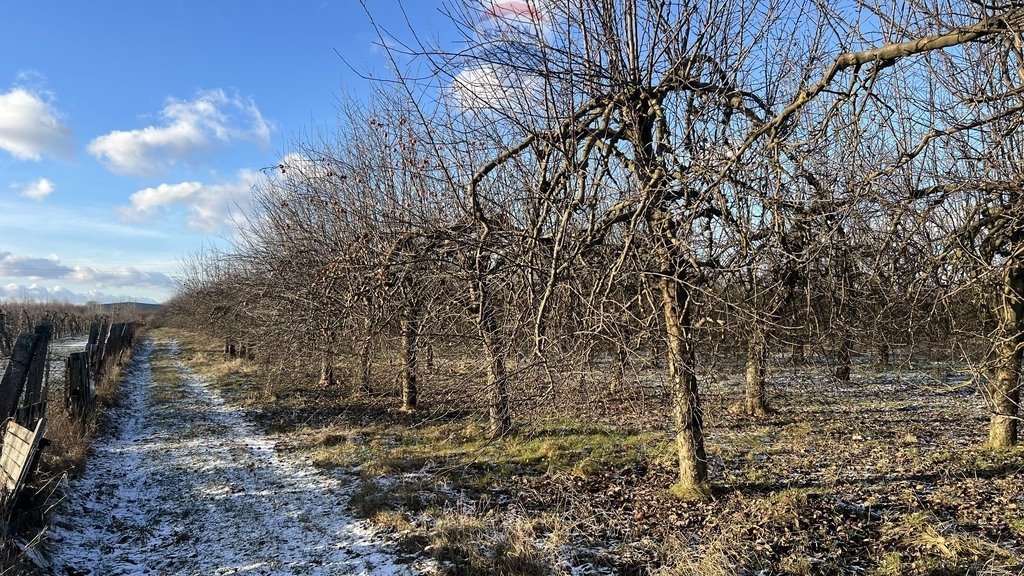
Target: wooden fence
24	392
108	344
23	407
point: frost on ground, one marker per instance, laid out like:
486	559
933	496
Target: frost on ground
58	353
185	485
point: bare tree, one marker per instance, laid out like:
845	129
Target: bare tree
648	111
584	175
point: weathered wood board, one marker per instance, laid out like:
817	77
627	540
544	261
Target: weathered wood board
19	447
79	381
35	390
13	382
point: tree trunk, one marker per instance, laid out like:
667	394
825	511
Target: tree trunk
682	378
799	355
1004	386
497	373
364	356
843	360
884	355
1004	392
497	383
619	377
693	467
327	369
756	401
410	332
327	357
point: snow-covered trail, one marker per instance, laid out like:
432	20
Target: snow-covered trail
185	485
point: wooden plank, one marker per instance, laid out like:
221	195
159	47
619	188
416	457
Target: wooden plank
13	382
17	443
94	334
71	376
20	444
19	448
18	432
76	370
30	414
117	342
113	341
101	342
34	392
79	381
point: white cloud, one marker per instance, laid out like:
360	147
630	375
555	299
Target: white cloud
35	292
119	276
30	127
31	267
304	168
50	268
488	87
209	207
147	202
186	128
516	10
36	190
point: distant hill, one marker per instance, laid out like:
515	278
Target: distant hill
140	306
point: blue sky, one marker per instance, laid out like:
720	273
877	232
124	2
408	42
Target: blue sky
128	130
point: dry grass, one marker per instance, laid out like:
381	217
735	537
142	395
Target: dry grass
683	559
468	544
880	477
920	543
70	438
464	541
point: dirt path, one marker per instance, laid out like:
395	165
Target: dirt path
184	485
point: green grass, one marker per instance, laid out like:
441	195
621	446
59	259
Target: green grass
556	447
167	384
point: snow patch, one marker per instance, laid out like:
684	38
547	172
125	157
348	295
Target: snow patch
186	485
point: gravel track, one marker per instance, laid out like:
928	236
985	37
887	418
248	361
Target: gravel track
183	484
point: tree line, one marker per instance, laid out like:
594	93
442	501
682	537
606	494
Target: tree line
649	186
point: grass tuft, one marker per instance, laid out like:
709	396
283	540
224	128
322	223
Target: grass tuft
689	492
